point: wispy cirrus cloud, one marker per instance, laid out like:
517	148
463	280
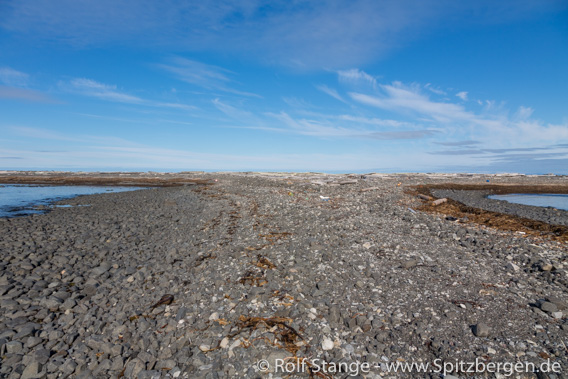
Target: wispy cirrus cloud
324	129
15	85
459	143
374	121
487	135
510	153
462	95
310	34
200	74
14	78
433	89
523	113
331	92
403	135
298	103
492	125
89	87
458	152
203	75
399	98
356	76
111	93
232	111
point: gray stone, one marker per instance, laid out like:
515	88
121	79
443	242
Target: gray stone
182	312
90	289
34	370
556	301
334	315
134	367
68	304
14	347
481	330
167	364
148	374
85	374
98	271
117	364
42	355
409	264
116	350
25	330
33	341
51	303
548	307
55	335
512	267
102	367
68	367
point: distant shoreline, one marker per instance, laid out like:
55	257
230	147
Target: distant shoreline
136	179
167	179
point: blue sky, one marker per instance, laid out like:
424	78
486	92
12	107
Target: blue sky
337	86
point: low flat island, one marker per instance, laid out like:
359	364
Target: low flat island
269	273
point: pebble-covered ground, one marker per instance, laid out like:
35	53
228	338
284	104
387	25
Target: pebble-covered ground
268	275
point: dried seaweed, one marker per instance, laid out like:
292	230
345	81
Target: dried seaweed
253	279
263	262
200	260
494	219
273	237
286	336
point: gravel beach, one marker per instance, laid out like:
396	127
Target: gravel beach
280	275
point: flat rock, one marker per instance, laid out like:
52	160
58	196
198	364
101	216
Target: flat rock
481	330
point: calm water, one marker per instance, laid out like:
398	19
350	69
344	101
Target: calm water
540	200
22	199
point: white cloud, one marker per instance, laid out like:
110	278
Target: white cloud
108	92
524	113
331	92
375	121
198	73
102	91
399	98
317	128
333	34
437	91
297	103
232	111
356	76
11	77
462	95
493	128
203	75
403	135
326	129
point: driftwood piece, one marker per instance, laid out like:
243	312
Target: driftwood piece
439	201
347	182
369	189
